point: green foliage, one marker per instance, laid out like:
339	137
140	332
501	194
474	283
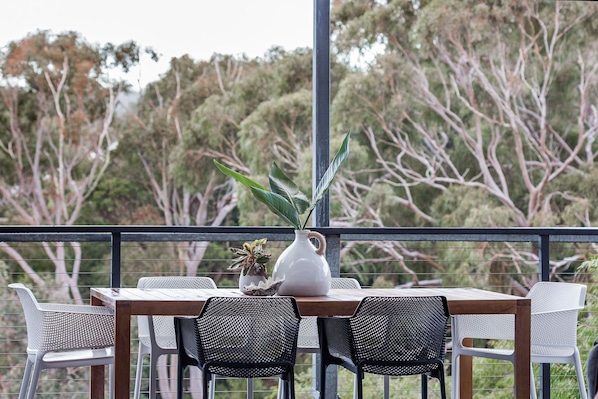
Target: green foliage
284	198
590	265
470	207
438	116
292	71
282	124
121	199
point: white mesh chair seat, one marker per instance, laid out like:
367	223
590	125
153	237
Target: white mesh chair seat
156	333
62	335
555	307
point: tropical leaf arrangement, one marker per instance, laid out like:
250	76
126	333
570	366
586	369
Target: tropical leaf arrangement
284	197
251	259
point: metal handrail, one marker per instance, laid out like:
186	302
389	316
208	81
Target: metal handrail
119	234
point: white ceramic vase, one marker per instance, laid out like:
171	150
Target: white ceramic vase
303	266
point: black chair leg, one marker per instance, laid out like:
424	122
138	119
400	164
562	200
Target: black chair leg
291	384
442	385
322	380
179	382
359	383
206	377
424	386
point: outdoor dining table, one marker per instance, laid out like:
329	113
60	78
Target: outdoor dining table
128	302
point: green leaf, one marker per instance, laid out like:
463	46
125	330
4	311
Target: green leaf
244	180
281	184
328	177
285	199
237	263
279	205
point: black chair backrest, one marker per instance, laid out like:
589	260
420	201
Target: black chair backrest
395	330
246	336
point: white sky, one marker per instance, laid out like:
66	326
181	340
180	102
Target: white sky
173	27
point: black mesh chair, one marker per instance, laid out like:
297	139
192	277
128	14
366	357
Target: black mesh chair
242	337
394	336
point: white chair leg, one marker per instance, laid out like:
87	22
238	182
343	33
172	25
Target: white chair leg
34	378
532	383
111	381
26	379
139	372
580	378
455	376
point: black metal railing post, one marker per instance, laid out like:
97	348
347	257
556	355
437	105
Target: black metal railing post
321	143
115	246
333	254
544	264
321	105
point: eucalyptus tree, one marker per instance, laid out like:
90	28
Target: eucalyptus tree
56	137
476	113
274	104
184	188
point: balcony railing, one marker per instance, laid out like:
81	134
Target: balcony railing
116	239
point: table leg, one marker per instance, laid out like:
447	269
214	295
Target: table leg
122	350
522	349
96	384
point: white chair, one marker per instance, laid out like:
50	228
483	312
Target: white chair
555	307
156	333
307	342
61	335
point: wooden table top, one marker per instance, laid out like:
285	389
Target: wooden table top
338	302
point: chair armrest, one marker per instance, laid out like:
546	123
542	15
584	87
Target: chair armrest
68	327
186	339
335	332
66	308
575	309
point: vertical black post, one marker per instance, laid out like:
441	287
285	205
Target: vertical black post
115	264
321	105
333	254
321	139
544	255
